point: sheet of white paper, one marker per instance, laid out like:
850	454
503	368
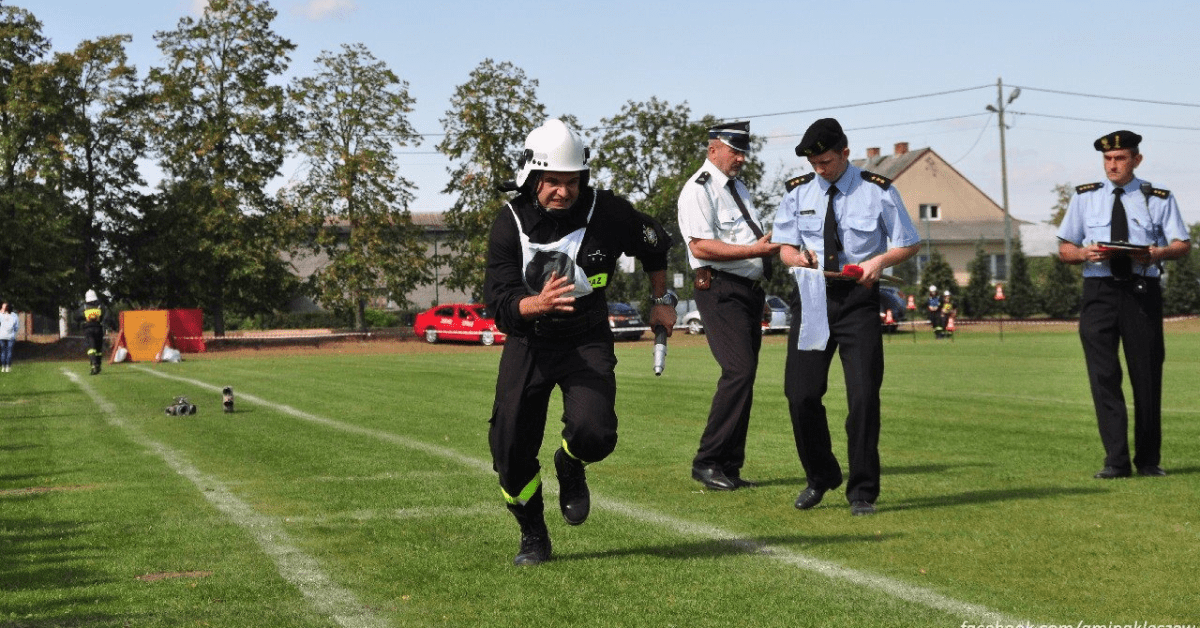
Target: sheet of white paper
814	318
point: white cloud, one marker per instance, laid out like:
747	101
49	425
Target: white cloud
321	9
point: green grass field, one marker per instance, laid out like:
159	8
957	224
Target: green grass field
356	490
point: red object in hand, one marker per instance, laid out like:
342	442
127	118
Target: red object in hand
852	270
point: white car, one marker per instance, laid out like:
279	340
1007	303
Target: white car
777	316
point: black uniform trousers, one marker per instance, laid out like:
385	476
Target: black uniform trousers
94	334
583	368
732	311
856	334
1128	313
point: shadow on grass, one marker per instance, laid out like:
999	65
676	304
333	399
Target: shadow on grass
716	548
44	563
988	497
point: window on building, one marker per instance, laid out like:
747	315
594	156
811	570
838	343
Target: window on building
930	212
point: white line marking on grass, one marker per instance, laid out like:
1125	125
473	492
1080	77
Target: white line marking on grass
882	584
326	596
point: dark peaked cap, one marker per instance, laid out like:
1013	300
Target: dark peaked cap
735	135
1118	140
822	135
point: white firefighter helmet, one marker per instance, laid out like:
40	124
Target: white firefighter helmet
933	289
90	296
947	293
554	147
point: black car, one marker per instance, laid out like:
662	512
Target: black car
891	299
622	317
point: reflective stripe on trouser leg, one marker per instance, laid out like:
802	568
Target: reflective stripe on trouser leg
526	493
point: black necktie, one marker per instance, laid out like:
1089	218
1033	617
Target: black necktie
833	244
1121	265
758	233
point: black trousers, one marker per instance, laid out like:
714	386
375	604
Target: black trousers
854	333
1128	313
732	311
583	368
95	339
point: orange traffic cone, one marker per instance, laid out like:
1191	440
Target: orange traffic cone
889	319
950	324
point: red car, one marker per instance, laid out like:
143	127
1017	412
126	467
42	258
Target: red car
458	321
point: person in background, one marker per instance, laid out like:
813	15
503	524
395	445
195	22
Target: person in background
93	329
8	336
1121	230
730	256
551	253
934	305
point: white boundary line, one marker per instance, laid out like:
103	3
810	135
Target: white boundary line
882	584
298	568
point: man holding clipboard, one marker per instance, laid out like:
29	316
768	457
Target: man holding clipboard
1121	230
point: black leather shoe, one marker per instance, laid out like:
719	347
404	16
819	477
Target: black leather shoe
740	482
1109	473
860	508
713	478
809	497
574	499
1153	471
535	550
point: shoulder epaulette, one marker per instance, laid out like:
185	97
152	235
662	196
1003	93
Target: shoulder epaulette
800	180
877	179
1160	193
703	178
1088	187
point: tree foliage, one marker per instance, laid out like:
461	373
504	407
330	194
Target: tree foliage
220	129
1181	294
352	203
39	248
486	125
1021	297
1061	289
979	297
937	272
1062	194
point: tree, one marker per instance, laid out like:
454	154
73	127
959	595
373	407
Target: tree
220	130
100	145
1063	193
38	250
979	297
1181	295
1061	290
1021	298
938	273
352	202
490	116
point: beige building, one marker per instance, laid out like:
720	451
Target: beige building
952	215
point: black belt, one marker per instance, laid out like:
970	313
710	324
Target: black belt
567	326
755	284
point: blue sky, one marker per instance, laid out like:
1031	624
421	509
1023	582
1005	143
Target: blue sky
755	59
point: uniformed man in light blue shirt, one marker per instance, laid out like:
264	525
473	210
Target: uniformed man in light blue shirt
1121	230
836	216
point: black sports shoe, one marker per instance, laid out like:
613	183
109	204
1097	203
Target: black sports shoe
535	550
574	499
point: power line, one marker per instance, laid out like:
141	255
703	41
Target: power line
860	104
1159	126
1106	97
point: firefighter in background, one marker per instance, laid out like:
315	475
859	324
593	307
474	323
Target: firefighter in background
934	306
93	329
948	312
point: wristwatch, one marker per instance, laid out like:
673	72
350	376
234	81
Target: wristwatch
670	298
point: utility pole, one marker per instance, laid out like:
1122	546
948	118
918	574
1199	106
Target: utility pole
998	109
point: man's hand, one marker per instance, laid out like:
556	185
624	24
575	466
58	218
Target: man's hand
663	315
551	300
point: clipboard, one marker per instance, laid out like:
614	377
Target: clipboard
1124	246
